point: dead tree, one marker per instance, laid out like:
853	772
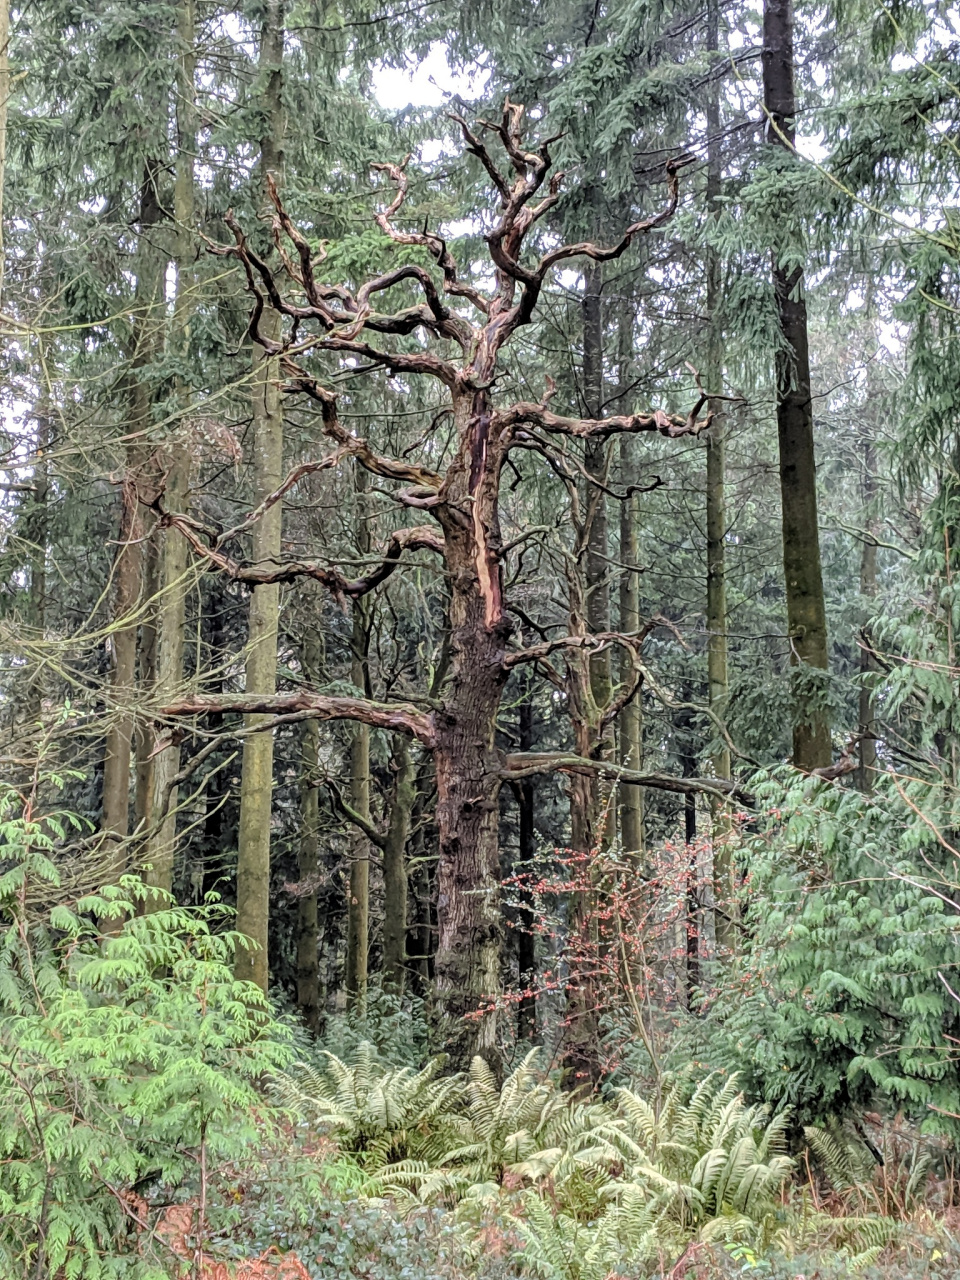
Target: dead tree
463	503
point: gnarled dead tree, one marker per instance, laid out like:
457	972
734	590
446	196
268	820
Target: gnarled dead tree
464	503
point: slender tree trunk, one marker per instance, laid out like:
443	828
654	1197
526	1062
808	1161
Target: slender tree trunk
4	109
37	529
526	936
596	461
129	565
868	589
588	824
256	783
806	611
358	900
632	836
395	866
172	603
717	678
308	941
688	766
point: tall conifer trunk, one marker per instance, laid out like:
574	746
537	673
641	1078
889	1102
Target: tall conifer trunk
129	564
256	785
4	110
717	678
358	891
172	562
308	941
868	589
587	703
632	837
806	611
395	866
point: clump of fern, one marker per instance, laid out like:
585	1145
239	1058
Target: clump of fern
380	1114
509	1136
559	1246
727	1159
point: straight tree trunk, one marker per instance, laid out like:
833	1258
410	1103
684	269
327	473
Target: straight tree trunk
37	525
632	837
358	899
526	936
587	825
4	110
256	782
308	940
172	602
130	562
596	462
806	611
688	765
717	677
395	867
868	589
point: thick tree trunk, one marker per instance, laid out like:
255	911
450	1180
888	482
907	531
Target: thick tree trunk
806	611
466	759
358	891
395	867
172	602
256	784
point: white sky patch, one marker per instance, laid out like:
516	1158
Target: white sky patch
426	82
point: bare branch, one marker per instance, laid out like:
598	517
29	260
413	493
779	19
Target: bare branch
524	764
416	538
363	824
401	717
434	243
596	643
671	425
377	464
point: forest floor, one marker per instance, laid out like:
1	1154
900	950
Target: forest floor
297	1211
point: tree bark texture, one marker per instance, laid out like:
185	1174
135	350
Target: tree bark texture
526	935
4	110
173	553
467	964
358	890
256	781
803	577
308	865
395	866
717	676
130	564
868	589
631	717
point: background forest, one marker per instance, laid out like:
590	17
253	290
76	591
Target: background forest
478	639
